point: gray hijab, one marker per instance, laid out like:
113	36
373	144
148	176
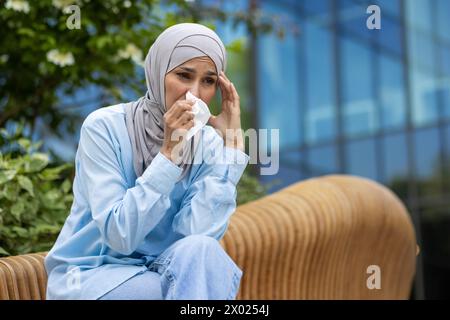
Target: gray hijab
144	117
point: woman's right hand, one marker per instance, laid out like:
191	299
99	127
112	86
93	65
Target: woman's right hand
177	121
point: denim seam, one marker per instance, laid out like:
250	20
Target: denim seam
171	279
161	261
235	280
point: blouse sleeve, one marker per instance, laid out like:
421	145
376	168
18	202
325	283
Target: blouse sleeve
211	198
123	215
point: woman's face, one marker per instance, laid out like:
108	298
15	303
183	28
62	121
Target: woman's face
197	75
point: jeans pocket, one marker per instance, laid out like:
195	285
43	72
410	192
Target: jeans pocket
159	265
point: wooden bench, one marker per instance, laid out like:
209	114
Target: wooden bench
317	239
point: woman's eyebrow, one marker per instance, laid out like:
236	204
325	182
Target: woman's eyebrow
209	72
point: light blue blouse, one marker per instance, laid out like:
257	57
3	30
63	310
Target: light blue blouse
119	224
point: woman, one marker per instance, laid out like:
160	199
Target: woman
146	220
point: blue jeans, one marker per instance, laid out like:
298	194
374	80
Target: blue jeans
195	267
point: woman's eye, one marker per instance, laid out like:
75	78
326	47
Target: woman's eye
210	81
183	75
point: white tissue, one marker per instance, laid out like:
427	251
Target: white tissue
201	115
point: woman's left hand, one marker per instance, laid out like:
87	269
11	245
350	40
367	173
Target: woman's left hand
228	122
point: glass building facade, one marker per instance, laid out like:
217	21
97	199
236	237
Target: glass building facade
372	103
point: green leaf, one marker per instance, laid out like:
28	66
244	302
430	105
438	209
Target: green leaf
43	228
24	143
26	32
11	191
236	46
7	175
4	133
17	209
53	195
37	162
31	208
21	232
16	164
66	186
68	199
4	252
37	145
26	184
102	41
53	173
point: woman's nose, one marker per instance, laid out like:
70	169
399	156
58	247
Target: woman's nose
195	89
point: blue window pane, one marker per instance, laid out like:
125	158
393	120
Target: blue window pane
352	18
316	6
320	75
427	161
360	159
392	93
322	160
346	4
279	97
420	50
357	88
445	79
291	158
424	97
418	14
444	53
390	6
443	93
390	35
395	159
443	18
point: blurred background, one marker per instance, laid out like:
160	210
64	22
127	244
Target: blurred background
372	103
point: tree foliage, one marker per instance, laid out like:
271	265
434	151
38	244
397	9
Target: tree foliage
43	61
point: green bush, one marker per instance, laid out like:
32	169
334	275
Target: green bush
35	198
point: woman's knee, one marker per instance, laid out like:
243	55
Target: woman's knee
143	286
194	249
199	243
